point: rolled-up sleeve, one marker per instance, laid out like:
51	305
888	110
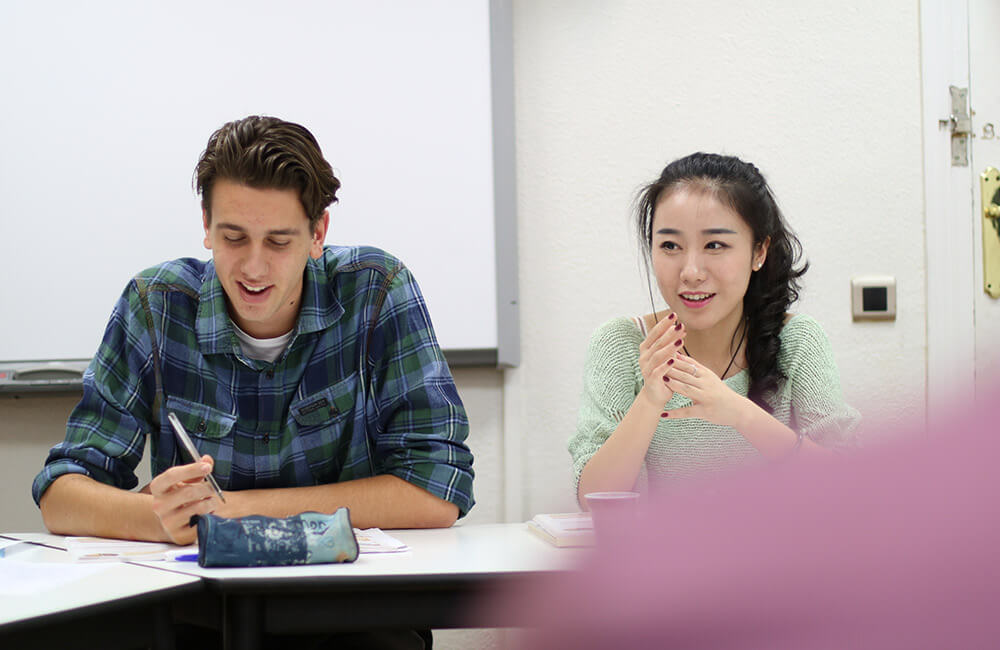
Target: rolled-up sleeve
105	433
421	422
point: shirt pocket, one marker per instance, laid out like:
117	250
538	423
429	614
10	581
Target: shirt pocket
208	427
325	429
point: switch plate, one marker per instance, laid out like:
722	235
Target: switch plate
873	297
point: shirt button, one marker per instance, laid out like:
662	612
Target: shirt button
201	426
267	438
269	374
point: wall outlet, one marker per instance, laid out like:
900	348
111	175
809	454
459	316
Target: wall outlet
873	297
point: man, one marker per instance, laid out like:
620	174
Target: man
309	376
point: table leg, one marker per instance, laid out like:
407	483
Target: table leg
242	623
163	629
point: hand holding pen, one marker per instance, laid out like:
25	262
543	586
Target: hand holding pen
192	452
183	491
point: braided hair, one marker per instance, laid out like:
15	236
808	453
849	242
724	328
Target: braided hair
742	188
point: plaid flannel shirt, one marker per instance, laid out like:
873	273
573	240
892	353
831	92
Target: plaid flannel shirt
362	388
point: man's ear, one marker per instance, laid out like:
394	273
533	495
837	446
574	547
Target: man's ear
204	222
319	235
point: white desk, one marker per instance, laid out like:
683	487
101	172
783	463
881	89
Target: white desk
47	600
439	583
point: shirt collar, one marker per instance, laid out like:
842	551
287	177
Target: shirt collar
320	308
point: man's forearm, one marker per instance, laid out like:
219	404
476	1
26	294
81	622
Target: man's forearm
76	504
380	501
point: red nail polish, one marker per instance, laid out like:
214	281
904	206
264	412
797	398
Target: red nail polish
664	415
678	343
665	378
672	316
678	326
670	363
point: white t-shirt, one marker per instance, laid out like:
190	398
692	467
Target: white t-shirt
263	349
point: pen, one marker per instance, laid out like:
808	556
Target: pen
187	557
189	447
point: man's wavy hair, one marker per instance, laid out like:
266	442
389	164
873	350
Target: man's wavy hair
267	153
741	187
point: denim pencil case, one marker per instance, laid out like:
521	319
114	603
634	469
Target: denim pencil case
307	538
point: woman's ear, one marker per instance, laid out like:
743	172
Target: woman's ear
761	254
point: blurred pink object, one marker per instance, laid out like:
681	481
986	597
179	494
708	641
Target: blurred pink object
611	512
894	547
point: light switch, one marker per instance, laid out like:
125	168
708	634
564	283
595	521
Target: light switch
873	297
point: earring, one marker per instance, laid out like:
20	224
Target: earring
756	267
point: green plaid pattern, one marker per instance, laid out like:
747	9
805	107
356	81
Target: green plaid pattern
361	390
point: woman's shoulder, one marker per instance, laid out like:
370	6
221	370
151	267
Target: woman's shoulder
801	325
614	342
803	335
618	331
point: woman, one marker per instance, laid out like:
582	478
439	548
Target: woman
725	375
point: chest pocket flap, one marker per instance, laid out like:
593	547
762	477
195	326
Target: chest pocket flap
326	406
201	421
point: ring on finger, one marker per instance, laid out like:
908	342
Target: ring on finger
694	370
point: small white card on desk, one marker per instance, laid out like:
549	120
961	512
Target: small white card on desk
374	540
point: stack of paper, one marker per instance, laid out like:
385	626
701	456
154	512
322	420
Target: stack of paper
98	549
566	529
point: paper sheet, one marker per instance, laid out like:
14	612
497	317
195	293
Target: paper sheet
9	547
374	540
97	549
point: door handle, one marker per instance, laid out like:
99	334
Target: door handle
989	185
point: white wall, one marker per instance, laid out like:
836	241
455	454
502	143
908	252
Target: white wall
824	97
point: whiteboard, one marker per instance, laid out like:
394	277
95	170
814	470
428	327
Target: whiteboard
107	106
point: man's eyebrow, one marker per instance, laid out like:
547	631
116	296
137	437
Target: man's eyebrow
707	231
280	231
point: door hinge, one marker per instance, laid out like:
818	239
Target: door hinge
960	124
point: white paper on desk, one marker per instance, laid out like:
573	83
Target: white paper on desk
99	549
33	578
374	540
9	547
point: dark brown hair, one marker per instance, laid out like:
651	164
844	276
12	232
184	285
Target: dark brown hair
265	152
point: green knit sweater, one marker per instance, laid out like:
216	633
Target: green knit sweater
809	401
